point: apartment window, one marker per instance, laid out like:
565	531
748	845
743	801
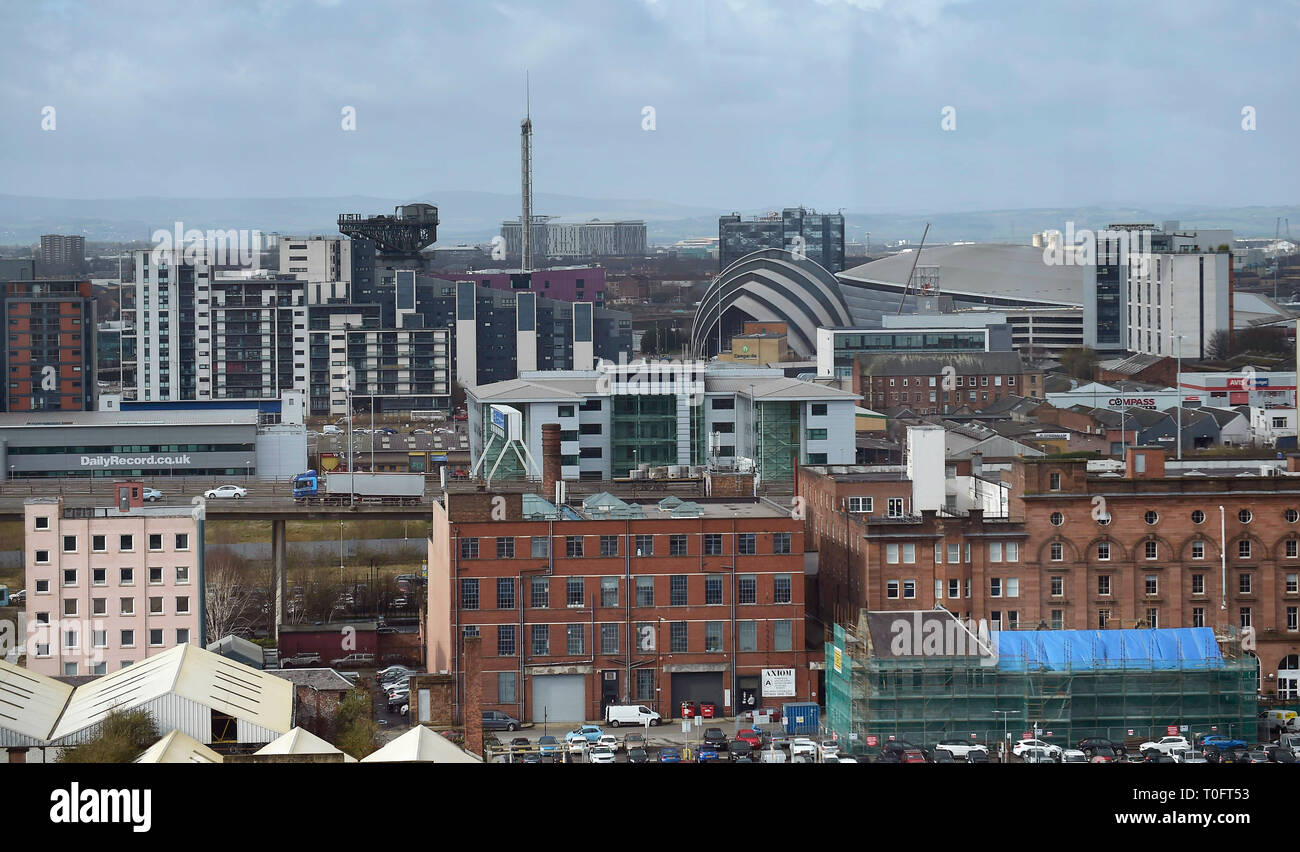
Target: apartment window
1152	585
183	605
155	576
645	591
1013	587
469	548
468	594
127	606
608	546
69	576
781	590
69	606
155	606
182	541
954	589
712	544
1245	616
909	554
1293	618
541	640
540	593
43	522
1291	548
539	547
127	638
894	509
676	545
713	591
954	553
891	589
891	554
1151	549
645	545
155	637
1103	585
713	636
182	575
1054	481
42	557
69	544
505	593
860	505
677	591
782	634
1243	583
909	588
1153	618
677	637
747	589
99	543
1103	616
1198	616
781	542
1198	584
609	591
746	544
155	541
1103	551
1058	586
995	551
995	587
574	592
1292	583
1243	549
1198	550
505	548
98	606
575	639
506	692
572	545
505	640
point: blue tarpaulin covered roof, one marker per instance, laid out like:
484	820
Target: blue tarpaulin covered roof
1177	648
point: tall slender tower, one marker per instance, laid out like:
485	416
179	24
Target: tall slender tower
526	167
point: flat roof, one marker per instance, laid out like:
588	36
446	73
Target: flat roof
65	419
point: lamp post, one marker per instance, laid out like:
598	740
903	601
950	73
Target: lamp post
1178	384
340	551
1004	714
248	471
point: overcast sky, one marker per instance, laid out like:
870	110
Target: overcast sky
834	104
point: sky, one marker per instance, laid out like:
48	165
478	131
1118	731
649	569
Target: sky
835	104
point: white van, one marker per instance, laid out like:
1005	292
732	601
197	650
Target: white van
1284	720
331	430
630	714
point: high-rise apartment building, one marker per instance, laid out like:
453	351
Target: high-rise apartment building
63	253
49	356
576	239
820	236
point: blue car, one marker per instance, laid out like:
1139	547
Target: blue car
590	733
548	745
670	755
1221	742
706	754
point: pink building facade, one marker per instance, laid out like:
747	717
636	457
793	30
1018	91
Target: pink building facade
108	587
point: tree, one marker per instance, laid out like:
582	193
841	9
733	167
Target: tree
229	598
1079	362
123	736
355	731
1217	348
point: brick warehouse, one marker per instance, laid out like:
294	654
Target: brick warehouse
1151	555
705	595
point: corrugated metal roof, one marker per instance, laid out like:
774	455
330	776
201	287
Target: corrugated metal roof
192	673
30	703
421	745
179	747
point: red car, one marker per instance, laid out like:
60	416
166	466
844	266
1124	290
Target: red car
913	755
752	737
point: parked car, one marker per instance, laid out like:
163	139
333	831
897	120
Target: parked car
1091	744
630	714
1036	754
773	754
400	704
1257	757
670	755
632	741
749	735
802	746
587	733
226	492
300	659
608	740
495	720
828	748
1221	742
1104	754
18	598
548	745
600	754
1073	755
741	748
938	755
152	495
1167	744
1192	757
715	738
530	757
978	757
706	754
520	744
355	661
960	749
912	755
1021	746
638	754
1277	754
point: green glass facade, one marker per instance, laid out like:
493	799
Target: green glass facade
644	431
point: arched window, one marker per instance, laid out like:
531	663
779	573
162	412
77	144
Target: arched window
1258	669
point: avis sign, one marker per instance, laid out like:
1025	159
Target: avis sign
778	683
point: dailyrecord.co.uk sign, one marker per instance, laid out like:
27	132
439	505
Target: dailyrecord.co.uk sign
134	461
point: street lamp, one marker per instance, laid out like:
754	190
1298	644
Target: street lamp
1004	714
340	551
248	472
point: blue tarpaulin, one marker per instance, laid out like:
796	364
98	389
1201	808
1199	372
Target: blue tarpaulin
1177	648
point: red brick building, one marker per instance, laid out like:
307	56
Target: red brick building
616	602
50	351
937	384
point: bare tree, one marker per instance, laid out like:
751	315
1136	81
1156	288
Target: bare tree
230	606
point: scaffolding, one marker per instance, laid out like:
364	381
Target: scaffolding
1190	680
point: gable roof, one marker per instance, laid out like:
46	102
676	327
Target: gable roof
421	745
30	704
179	747
302	741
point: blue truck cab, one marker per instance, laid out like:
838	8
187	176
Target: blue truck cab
306	485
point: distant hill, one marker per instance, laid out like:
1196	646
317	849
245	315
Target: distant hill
468	216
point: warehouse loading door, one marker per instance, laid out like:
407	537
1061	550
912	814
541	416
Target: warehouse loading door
559	698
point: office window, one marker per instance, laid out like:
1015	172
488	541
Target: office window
609	591
1245	616
747	588
677	637
645	545
1198	616
575	639
1058	587
505	640
995	551
676	545
1152	584
781	589
609	639
468	594
677	591
712	544
1151	550
574	592
891	589
540	593
573	545
506	693
713	591
782	635
746	544
505	593
860	505
645	591
995	587
781	542
608	546
1198	550
539	547
1244	583
541	640
1198	584
909	588
645	684
1103	585
713	636
505	548
1103	551
469	548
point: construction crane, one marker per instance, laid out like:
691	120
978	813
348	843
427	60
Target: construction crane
908	285
1277	255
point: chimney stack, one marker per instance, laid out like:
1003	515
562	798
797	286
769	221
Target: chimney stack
550	459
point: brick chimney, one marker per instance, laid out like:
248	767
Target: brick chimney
550	459
1145	462
472	714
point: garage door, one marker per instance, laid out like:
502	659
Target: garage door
697	687
559	698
